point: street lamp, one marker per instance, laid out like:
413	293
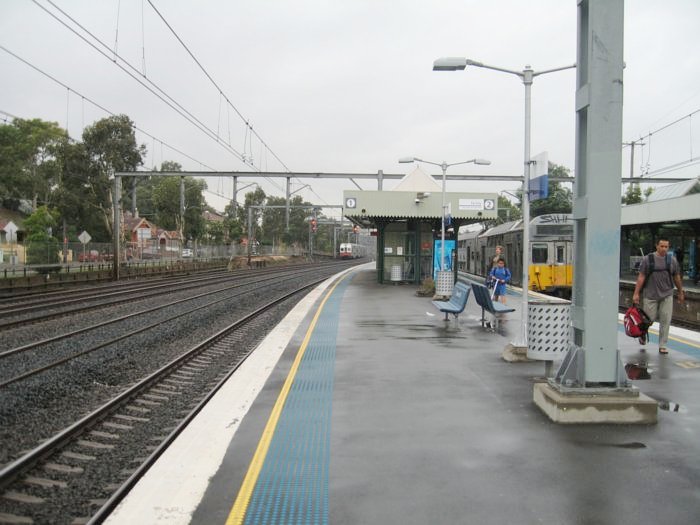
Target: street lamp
444	166
526	75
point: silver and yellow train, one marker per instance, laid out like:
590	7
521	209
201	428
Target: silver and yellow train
551	252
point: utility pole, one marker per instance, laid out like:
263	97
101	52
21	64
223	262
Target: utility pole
632	145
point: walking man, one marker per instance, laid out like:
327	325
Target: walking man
658	272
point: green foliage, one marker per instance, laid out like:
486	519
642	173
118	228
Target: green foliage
110	146
559	200
633	195
28	165
507	211
215	232
42	246
166	204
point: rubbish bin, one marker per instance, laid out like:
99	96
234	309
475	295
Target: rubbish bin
548	329
396	275
444	283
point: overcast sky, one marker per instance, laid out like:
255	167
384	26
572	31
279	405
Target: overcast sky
347	85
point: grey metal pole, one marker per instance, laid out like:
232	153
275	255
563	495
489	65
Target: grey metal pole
234	202
250	228
286	210
116	227
442	220
182	210
527	82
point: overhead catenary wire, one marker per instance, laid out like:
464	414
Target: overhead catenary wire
221	91
97	105
172	103
187	114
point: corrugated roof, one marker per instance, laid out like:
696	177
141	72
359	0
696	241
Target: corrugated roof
501	228
672	191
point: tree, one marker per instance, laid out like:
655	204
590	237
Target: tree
166	205
111	146
233	226
252	198
42	246
28	166
633	195
507	211
215	232
145	187
559	199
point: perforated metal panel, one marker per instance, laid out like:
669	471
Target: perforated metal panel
445	282
548	330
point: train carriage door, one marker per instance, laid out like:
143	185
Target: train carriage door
559	267
539	269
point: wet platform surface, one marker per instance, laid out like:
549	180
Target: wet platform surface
418	420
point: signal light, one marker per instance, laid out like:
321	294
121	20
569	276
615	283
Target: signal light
314	225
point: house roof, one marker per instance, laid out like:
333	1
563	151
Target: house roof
133	223
14	216
167	234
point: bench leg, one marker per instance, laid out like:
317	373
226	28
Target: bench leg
447	316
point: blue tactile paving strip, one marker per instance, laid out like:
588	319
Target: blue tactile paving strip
293	483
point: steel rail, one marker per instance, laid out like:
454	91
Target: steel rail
59	362
12	471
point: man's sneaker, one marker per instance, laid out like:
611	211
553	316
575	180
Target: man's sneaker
643	339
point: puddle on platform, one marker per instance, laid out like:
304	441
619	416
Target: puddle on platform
633	444
637	371
669	406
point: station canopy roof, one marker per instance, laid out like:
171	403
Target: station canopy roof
672	203
417	196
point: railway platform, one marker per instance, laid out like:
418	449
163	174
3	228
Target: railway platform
365	407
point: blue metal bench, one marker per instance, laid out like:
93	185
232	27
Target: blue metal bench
456	304
482	296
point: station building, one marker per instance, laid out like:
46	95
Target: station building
407	223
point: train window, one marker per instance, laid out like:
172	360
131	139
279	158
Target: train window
560	254
539	253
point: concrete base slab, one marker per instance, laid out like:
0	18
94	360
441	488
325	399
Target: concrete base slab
515	354
600	408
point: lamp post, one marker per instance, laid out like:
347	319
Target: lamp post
444	166
526	75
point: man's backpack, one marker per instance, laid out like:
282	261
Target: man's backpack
636	322
651	269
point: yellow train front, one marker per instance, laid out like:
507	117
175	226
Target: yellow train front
550	253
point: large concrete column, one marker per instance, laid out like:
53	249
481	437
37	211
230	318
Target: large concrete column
597	189
591	386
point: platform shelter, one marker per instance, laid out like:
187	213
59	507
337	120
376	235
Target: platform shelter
407	222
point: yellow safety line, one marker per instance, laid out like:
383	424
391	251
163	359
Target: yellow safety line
240	506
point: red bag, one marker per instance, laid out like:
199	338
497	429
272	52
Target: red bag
636	322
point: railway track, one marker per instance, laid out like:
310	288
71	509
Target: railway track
91	463
239	287
54	306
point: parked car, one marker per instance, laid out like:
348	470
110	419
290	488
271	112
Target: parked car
187	252
90	256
